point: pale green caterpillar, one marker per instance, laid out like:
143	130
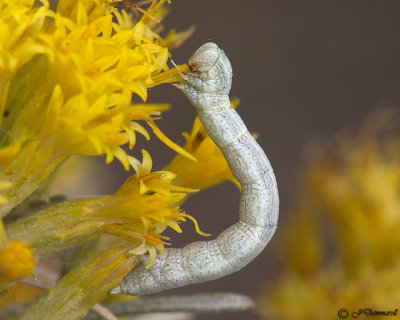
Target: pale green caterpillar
207	87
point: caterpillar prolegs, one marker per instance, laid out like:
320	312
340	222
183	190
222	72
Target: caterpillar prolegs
207	87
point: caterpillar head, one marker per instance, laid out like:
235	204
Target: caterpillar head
205	57
209	82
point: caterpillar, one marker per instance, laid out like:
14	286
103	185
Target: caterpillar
207	87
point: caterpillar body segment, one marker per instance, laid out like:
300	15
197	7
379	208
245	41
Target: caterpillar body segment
207	87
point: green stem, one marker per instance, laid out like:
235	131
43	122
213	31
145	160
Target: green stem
57	227
29	167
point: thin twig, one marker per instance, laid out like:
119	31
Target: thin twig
139	3
196	303
103	312
135	7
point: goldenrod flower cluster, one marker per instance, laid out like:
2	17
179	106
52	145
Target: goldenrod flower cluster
74	81
341	248
68	78
138	212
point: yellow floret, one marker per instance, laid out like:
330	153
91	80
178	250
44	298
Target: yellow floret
16	261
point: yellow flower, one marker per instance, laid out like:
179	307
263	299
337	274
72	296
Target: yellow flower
359	191
138	212
175	39
351	209
210	168
67	80
324	294
74	81
16	260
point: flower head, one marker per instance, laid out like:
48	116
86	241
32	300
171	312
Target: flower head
74	81
16	260
138	212
341	248
68	78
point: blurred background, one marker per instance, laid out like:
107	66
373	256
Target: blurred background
303	70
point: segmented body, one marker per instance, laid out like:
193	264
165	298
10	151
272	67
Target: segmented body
208	88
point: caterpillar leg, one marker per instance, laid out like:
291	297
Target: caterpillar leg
207	87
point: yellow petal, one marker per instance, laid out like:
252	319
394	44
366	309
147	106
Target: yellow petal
138	32
169	143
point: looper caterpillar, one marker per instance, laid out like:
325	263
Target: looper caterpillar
207	87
